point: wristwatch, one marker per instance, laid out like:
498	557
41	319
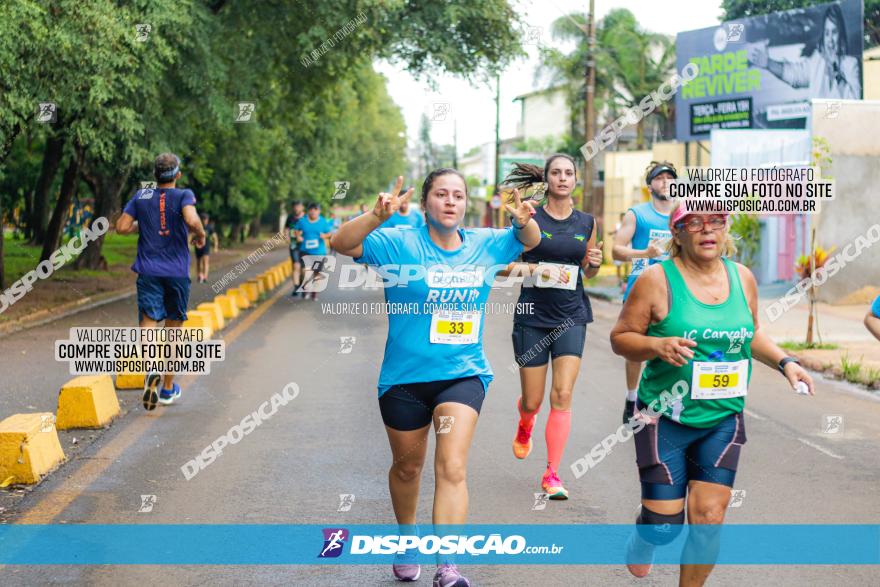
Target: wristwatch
785	361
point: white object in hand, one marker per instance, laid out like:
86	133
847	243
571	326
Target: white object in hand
802	388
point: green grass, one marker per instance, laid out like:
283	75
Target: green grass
802	346
851	369
20	257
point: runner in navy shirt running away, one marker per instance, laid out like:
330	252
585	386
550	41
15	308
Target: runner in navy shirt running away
561	309
162	216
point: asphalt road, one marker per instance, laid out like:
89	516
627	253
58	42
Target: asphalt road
330	441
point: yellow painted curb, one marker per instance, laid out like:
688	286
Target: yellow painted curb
217	322
228	305
130	380
199	319
87	401
29	447
241	298
259	283
266	282
279	276
251	290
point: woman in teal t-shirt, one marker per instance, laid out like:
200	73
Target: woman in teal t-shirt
434	367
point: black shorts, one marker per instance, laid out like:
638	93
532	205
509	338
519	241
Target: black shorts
670	455
411	406
533	346
202	251
295	256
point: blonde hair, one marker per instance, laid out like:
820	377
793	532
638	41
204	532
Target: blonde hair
728	244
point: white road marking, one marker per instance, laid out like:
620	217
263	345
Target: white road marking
820	449
752	414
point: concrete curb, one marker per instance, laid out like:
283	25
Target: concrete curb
29	448
87	401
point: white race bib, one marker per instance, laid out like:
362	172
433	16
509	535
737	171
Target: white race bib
720	380
545	281
450	327
312	243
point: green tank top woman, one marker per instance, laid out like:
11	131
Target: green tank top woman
713	384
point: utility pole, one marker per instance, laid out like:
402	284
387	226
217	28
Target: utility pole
455	143
498	141
589	203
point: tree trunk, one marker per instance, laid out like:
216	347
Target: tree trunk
2	238
254	228
59	216
106	190
39	218
6	147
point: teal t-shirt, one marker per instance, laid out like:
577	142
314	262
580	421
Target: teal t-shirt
451	282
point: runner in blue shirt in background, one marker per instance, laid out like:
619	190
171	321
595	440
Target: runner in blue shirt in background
641	240
405	218
311	232
872	319
434	366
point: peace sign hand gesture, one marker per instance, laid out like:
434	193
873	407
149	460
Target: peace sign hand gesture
522	212
388	203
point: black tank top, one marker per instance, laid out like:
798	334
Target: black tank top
565	242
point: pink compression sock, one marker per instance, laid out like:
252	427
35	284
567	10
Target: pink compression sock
556	435
527	419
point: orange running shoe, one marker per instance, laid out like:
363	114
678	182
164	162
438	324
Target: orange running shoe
522	442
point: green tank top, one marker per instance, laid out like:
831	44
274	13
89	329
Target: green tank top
722	358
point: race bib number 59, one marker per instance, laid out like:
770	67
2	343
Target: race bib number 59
720	380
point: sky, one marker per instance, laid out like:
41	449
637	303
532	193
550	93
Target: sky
472	109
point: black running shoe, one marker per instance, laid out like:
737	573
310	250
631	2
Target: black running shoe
151	390
629	411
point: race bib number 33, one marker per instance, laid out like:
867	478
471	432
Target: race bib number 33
721	380
455	327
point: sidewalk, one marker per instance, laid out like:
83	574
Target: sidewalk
839	325
69	291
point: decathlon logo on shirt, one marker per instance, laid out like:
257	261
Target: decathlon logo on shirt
462	276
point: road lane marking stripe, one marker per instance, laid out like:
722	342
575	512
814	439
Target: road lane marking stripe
820	449
55	502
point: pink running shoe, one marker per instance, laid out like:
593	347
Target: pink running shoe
447	575
553	486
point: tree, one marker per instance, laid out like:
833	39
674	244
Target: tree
323	113
630	63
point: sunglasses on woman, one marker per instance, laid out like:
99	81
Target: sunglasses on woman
697	223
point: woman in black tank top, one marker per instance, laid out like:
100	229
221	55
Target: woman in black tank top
553	309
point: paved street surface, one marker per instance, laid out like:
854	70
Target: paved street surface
330	441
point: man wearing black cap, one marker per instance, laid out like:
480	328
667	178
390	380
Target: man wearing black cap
162	216
641	240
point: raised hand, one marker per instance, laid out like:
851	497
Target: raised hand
595	255
388	203
521	212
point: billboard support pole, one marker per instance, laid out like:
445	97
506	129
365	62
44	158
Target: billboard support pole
589	203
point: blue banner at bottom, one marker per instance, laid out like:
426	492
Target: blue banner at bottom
496	544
